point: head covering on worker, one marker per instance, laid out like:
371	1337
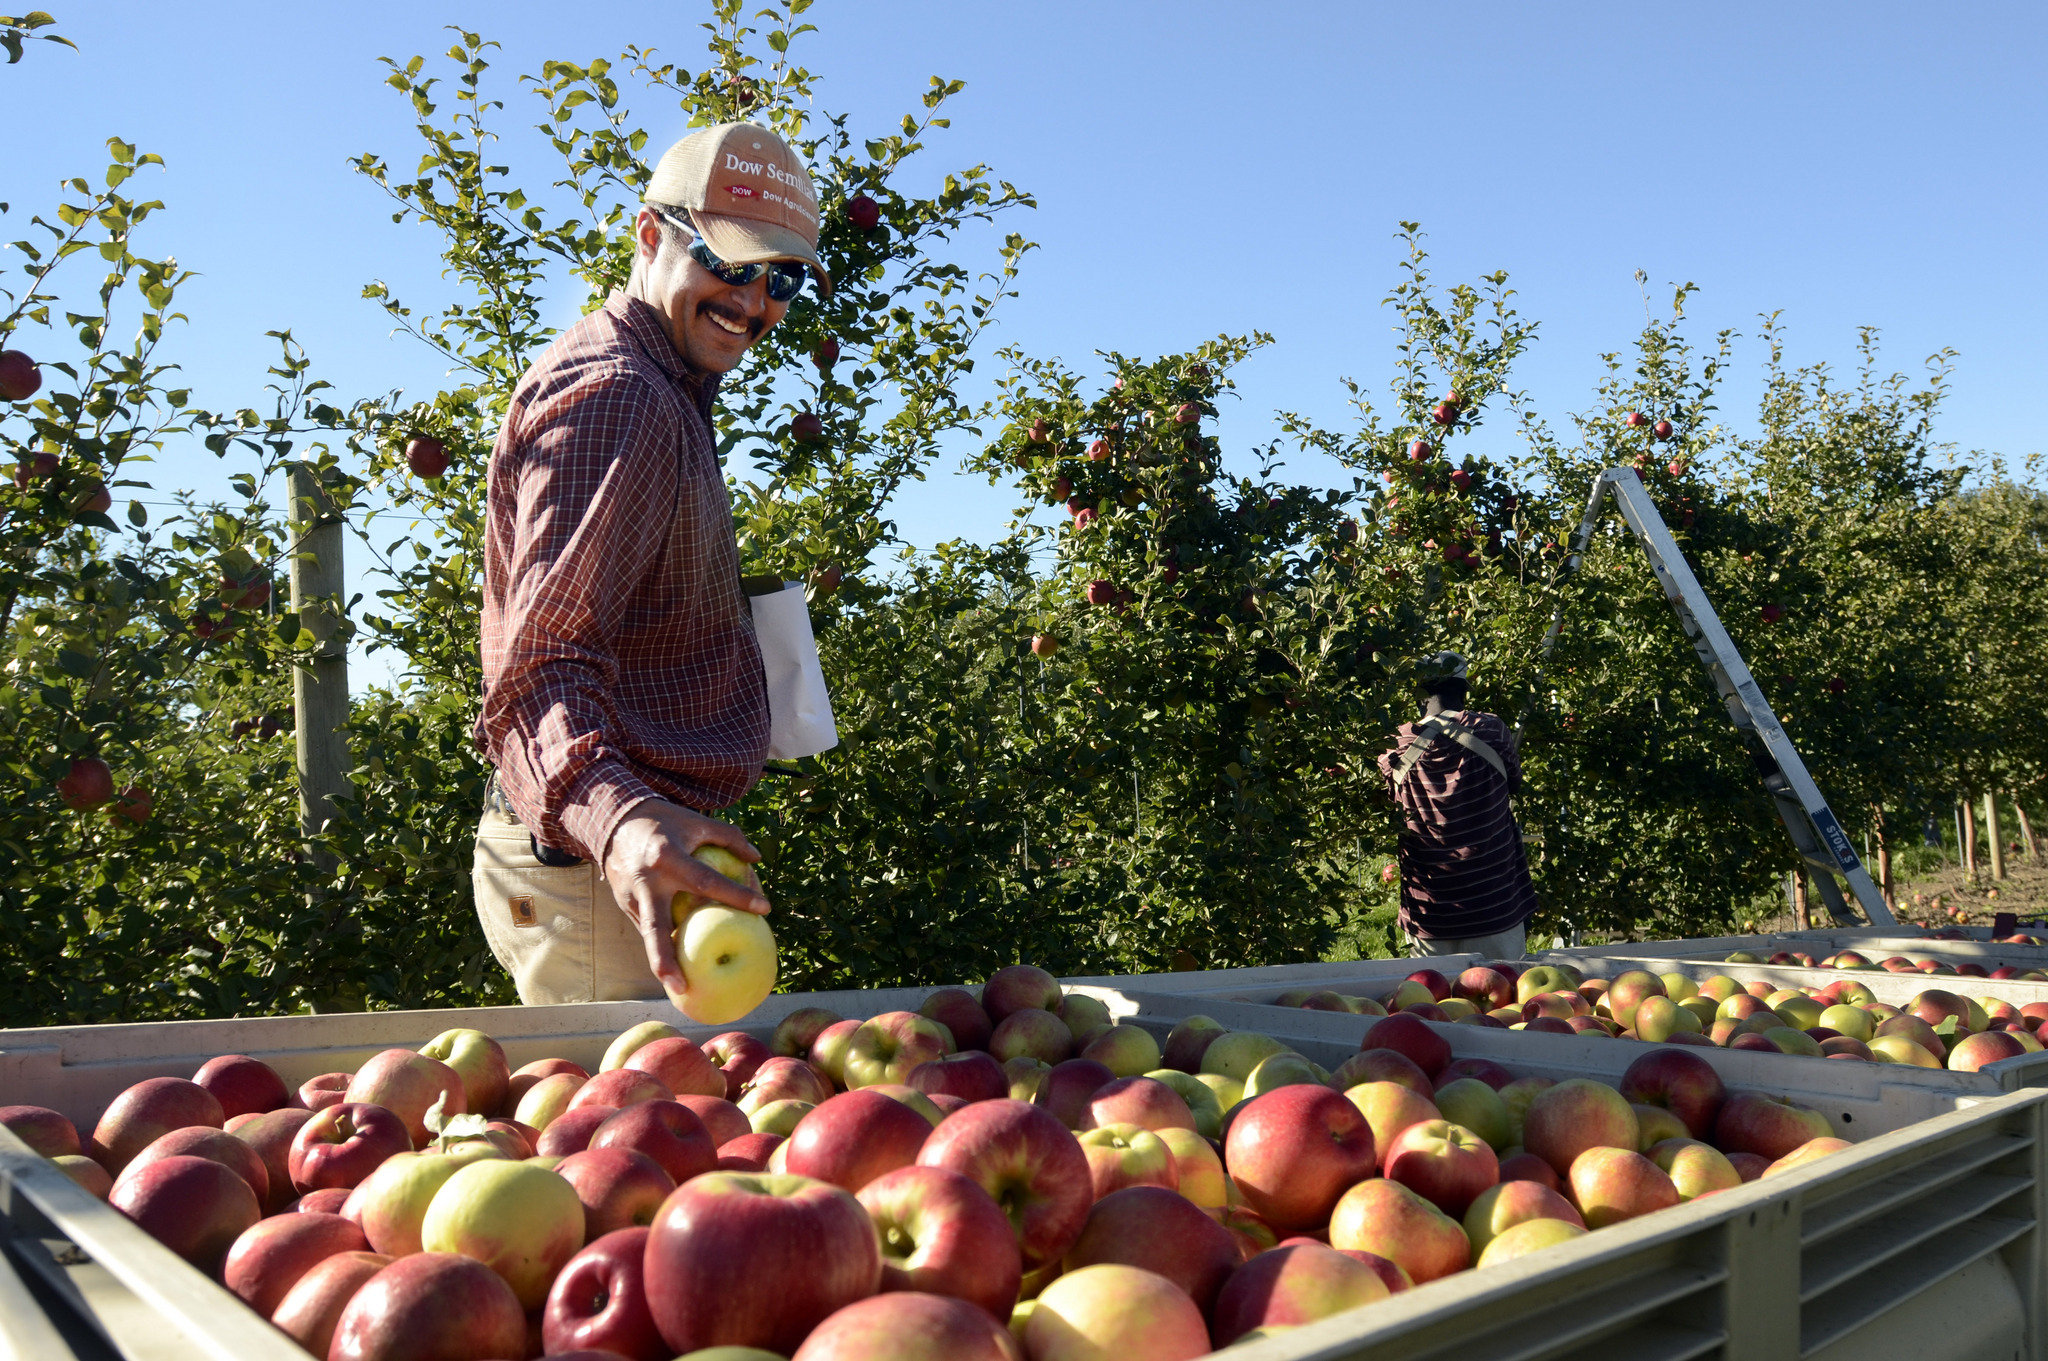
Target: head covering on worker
748	194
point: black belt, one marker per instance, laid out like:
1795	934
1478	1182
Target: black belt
547	855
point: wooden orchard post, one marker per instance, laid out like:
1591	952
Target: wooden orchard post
1800	920
1884	861
319	678
2026	830
1969	847
1994	836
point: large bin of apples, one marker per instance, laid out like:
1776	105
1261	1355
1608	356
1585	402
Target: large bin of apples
1137	1169
1964	949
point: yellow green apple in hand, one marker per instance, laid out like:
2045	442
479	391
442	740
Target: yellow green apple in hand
727	956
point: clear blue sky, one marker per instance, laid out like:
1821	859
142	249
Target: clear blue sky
1849	163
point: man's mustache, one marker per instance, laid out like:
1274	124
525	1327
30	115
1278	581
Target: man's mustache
755	325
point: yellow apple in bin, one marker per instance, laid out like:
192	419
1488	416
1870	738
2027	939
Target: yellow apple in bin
727	956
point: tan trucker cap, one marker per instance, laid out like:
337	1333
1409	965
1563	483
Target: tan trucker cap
748	192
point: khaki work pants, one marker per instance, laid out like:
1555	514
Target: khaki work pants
558	932
1508	944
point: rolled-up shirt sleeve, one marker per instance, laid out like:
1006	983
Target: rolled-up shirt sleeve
594	492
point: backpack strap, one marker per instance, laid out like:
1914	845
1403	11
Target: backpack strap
1443	725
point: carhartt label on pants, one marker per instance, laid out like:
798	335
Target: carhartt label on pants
522	912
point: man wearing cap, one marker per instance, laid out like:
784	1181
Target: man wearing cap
1464	876
624	698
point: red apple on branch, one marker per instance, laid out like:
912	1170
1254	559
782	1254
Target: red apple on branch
86	784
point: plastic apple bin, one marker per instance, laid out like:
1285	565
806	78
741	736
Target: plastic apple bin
1922	1241
1877	943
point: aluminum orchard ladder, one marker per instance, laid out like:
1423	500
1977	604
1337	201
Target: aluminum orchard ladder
1816	832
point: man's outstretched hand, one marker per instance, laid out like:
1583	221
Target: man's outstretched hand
652	858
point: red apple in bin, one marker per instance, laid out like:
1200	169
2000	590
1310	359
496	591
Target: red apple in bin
1500	1208
1142	1101
272	1254
784	1080
1975	1051
888	1046
1028	1163
855	1137
328	1089
1614	1184
1108	1310
89	1176
524	1078
343	1144
620	1088
906	1326
331	1200
432	1304
749	1153
1413	1039
194	1206
407	1084
599	1302
390	1204
1446	1164
797	1032
1767	1126
828	1051
313	1306
722	1120
1684	1084
1383	1065
956	1009
739	1056
619	1188
1484	988
722	1269
1017	987
42	1129
665	1131
1161	1231
480	1062
1291	1285
1385	1217
1068	1088
1188	1041
942	1235
144	1113
202	1141
1121	1156
546	1099
970	1075
570	1131
1030	1032
1389	1108
1575	1115
242	1085
519	1219
1293	1151
1482	1070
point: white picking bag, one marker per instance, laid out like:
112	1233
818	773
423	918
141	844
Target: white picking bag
799	707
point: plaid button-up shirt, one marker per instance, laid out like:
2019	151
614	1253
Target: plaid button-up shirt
618	647
1463	870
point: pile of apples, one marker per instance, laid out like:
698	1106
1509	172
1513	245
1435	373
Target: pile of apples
1844	1020
1009	1176
1855	960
